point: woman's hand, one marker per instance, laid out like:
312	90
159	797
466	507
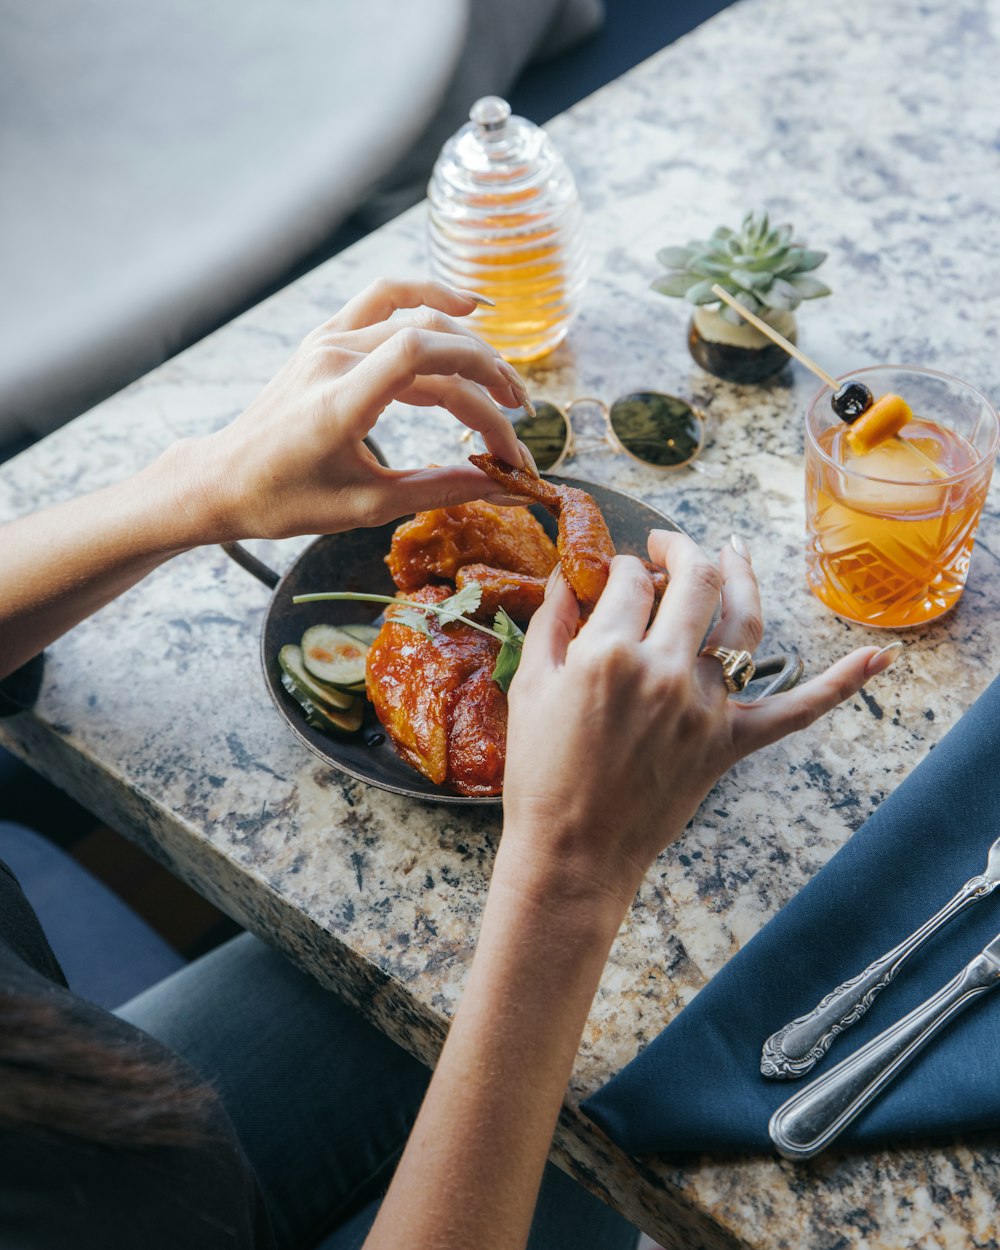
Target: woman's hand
615	736
617	733
294	462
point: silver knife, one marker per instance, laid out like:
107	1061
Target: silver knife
810	1120
794	1049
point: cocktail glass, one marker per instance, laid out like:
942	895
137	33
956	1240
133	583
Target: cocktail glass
889	537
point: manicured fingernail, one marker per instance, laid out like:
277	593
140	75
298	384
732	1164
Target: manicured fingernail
517	386
554	577
884	659
528	460
483	301
740	547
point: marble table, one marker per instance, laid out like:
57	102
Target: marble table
873	129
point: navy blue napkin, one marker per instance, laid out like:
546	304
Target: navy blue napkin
697	1086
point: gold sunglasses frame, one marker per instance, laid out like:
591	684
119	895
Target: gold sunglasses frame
575	443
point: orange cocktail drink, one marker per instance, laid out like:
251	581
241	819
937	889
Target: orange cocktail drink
890	532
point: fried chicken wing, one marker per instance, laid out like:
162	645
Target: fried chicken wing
435	696
438	543
519	594
660	578
584	543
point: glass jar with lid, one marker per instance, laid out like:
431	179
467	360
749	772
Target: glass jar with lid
505	220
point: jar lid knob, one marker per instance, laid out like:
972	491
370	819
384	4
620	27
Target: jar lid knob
490	113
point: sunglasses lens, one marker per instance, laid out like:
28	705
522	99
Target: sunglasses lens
660	429
545	437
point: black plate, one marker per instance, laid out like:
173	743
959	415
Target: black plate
356	561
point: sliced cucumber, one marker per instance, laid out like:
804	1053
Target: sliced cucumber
290	660
325	718
332	655
364	633
337	722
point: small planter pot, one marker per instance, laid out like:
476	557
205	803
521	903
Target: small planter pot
738	353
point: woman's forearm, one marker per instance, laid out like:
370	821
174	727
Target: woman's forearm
59	565
471	1170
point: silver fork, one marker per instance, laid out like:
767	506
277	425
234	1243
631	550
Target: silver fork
794	1049
811	1119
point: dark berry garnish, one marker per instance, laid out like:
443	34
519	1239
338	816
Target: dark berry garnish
851	400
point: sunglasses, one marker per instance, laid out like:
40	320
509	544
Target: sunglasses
658	430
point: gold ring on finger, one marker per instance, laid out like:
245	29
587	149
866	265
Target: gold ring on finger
737	667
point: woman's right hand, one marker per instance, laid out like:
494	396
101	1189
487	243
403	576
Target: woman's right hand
618	732
295	461
615	735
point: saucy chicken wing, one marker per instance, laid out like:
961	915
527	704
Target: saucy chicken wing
438	543
435	696
519	594
584	542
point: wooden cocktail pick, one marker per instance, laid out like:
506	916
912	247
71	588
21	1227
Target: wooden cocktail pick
771	333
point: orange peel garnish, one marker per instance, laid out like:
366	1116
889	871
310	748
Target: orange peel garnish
883	420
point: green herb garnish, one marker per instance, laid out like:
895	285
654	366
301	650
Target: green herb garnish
510	652
456	608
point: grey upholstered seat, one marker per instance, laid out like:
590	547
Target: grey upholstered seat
163	163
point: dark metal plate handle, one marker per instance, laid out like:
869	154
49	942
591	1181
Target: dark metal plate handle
263	573
783	672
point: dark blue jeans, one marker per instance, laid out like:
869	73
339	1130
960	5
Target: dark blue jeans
322	1101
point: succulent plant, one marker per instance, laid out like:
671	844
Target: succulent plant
759	264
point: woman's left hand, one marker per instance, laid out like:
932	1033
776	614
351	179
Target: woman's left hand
617	733
295	461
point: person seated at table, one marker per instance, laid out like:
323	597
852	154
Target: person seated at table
254	1109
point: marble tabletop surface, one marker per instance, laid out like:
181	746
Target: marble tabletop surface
874	129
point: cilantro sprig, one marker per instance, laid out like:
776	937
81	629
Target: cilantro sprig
458	607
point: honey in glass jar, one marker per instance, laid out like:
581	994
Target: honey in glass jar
505	221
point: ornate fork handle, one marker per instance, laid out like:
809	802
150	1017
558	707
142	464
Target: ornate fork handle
794	1049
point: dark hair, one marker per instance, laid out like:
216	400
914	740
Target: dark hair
59	1074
